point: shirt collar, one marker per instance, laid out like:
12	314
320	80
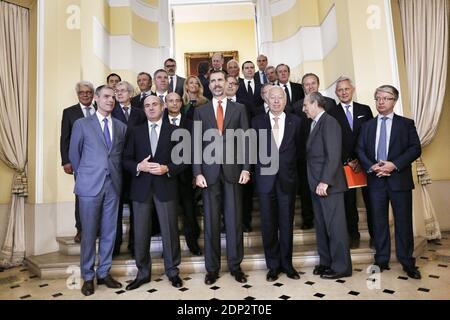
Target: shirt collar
224	101
317	118
282	116
347	104
124	106
83	106
101	117
159	123
389	116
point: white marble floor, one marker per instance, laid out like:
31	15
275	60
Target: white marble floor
18	283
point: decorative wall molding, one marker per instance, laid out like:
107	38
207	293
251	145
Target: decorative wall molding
278	7
141	9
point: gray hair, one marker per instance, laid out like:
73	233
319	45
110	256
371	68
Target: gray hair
84	84
387	89
317	97
128	85
344	78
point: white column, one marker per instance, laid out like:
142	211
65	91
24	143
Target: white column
264	27
164	31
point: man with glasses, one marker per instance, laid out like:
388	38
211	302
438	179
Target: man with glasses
387	146
84	108
176	83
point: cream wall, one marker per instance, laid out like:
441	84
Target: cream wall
215	36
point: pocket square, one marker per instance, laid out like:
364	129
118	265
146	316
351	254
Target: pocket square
361	116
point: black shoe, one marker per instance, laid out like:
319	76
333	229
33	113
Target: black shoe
382	266
292	274
88	288
320	269
247	228
77	237
195	249
137	283
176	281
116	252
239	276
354	243
109	282
413	272
272	275
210	278
332	275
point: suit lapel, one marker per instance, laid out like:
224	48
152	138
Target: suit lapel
394	129
228	114
98	129
315	130
210	115
162	133
288	131
372	137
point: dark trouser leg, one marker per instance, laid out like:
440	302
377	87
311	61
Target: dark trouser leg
248	204
286	207
142	235
77	214
305	195
366	197
269	229
379	201
131	228
191	228
351	213
119	230
322	239
404	238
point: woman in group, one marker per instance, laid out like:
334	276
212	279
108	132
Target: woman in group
193	96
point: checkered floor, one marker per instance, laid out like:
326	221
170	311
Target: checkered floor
18	283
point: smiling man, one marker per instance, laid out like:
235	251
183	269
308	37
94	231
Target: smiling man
95	152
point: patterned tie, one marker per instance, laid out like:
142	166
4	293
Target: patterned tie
106	134
125	113
287	94
87	111
143	96
171	84
249	89
349	117
219	117
382	142
313	124
264	78
153	138
174	121
276	131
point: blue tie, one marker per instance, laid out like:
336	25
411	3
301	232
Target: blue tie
382	142
264	78
153	138
348	114
106	134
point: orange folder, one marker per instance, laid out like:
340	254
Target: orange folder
355	180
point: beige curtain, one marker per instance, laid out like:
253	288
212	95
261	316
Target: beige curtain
425	26
13	122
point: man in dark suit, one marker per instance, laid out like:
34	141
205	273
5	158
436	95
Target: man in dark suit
260	75
277	189
95	152
271	74
84	108
203	74
221	178
144	82
294	91
125	112
161	78
387	146
186	184
217	61
248	89
351	116
112	80
327	184
176	83
310	83
147	157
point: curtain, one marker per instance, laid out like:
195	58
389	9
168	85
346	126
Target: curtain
14	22
425	26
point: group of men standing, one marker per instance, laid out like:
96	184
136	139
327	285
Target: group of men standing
310	135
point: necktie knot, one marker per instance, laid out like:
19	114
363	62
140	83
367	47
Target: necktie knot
384	118
87	111
154	125
349	116
161	97
219	116
174	121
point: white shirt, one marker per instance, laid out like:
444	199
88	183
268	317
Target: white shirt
233	98
178	117
389	120
128	106
316	120
349	109
100	118
164	94
224	106
252	84
83	107
147	93
281	121
266	107
158	127
261	77
288	84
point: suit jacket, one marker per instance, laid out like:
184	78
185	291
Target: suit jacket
91	160
258	78
235	118
137	148
70	115
289	153
323	156
137	116
361	114
205	83
137	102
404	148
250	101
180	85
297	92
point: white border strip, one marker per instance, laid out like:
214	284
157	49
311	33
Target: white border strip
393	53
39	138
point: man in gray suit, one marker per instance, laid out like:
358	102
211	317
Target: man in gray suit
221	181
95	152
327	184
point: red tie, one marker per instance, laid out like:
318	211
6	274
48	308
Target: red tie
220	117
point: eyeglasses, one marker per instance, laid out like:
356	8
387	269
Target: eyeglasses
232	84
170	66
85	93
384	99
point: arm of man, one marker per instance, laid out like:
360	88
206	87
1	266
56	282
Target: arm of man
64	142
332	139
413	149
76	145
